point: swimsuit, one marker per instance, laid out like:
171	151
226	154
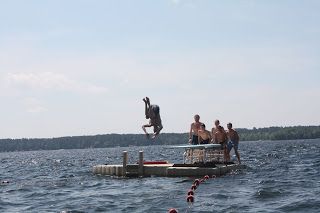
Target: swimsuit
155	109
232	144
223	145
205	141
194	140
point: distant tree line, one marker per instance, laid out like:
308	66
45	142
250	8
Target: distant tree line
84	142
123	140
280	133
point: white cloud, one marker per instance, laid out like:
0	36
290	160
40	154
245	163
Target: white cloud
34	105
176	1
185	3
51	81
170	78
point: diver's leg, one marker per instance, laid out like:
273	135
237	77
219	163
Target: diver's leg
237	154
148	101
146	109
157	130
144	129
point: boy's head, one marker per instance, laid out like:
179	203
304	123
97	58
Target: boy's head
202	126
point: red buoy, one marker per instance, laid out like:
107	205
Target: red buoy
173	211
190	199
196	182
206	177
202	180
190	192
193	187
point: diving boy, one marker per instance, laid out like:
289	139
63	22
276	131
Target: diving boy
152	113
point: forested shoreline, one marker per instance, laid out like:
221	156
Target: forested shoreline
123	140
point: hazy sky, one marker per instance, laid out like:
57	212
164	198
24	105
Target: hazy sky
82	67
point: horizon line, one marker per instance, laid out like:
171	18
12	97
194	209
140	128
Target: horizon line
39	138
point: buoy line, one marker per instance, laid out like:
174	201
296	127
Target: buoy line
191	192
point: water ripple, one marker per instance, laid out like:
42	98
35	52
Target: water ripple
281	176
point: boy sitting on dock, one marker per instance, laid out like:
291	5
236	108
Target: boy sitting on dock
219	136
204	136
152	113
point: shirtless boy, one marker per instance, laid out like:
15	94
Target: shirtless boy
193	133
233	141
153	114
219	135
204	136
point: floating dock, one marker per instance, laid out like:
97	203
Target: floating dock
166	169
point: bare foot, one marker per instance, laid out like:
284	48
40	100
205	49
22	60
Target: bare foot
148	100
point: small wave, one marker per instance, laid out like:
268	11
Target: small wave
311	205
267	194
285	180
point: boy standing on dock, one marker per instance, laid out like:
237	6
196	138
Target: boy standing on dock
152	113
194	128
219	136
233	141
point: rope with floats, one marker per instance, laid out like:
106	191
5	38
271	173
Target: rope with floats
191	192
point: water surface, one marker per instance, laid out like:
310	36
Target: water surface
281	176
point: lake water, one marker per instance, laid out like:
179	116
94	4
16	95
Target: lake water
281	176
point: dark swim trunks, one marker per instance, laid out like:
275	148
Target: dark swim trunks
232	144
194	140
205	141
155	109
223	145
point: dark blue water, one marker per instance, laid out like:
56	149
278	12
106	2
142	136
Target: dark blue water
281	176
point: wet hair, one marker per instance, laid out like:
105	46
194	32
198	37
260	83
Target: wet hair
229	124
203	125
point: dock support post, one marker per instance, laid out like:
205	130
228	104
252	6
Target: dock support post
140	170
125	162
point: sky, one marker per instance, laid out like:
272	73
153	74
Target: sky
82	67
